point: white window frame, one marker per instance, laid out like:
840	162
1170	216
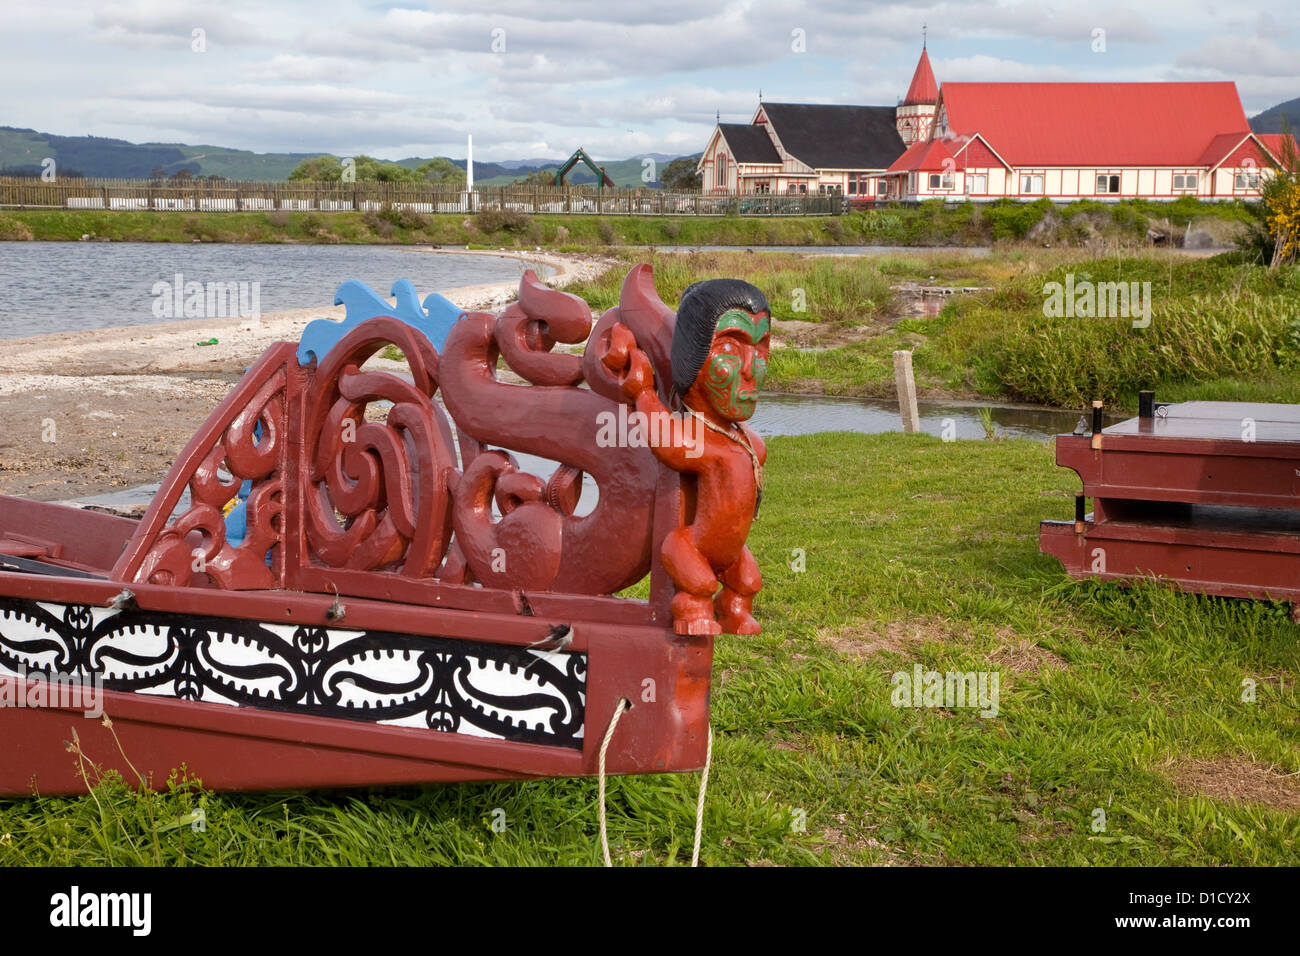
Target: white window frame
1030	178
1246	178
1104	182
982	179
1186	186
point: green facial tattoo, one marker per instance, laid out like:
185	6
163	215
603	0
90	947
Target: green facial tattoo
724	383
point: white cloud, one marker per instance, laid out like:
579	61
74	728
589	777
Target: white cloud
619	78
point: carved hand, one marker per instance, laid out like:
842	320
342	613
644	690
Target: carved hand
629	363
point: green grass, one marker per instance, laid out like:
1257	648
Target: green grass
824	289
917	551
1221	328
931	223
563	232
1213	322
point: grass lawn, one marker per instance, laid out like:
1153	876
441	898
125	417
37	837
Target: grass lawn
1216	328
1127	701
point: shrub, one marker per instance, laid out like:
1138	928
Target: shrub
280	218
607	234
13	229
1208	323
201	227
381	227
1009	219
1127	217
410	219
507	220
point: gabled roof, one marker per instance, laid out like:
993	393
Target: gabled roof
1112	124
749	144
1275	143
836	137
1221	147
975	151
923	89
924	156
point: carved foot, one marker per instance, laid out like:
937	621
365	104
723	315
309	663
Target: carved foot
693	615
734	613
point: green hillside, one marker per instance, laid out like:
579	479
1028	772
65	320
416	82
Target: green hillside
23	150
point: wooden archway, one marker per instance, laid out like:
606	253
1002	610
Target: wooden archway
580	156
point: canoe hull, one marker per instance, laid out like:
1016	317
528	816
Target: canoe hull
261	690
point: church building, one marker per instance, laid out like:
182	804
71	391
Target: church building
986	141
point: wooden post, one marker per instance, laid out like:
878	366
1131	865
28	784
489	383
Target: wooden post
906	385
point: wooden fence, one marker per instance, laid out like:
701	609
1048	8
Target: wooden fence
201	195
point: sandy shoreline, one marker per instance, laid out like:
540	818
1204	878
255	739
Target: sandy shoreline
121	402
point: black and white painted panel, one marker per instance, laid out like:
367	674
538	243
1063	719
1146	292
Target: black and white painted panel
443	684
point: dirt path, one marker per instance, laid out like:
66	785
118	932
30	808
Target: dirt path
85	413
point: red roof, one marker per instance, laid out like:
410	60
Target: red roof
924	156
977	154
1103	124
1220	147
923	88
1274	142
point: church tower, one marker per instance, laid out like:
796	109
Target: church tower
915	115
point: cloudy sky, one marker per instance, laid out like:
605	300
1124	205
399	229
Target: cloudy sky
536	79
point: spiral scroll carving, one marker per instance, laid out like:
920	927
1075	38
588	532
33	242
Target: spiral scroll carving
376	494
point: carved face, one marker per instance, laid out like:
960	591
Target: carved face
737	364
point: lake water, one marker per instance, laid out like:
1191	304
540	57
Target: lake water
804	415
788	415
68	286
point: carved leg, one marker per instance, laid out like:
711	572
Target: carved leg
735	601
696	581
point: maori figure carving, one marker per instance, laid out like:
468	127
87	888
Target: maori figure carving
719	359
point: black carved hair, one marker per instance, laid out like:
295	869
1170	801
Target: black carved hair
697	319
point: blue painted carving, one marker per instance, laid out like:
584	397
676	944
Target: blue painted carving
435	318
237	517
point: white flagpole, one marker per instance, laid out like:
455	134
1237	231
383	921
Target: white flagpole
469	172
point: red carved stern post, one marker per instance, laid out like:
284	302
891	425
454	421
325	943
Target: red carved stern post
405	600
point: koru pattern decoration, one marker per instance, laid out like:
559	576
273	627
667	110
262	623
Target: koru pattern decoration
356	476
450	685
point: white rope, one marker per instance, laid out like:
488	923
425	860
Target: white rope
699	807
623	704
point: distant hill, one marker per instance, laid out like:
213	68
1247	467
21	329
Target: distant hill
23	150
1270	121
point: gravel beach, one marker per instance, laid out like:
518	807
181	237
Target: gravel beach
87	413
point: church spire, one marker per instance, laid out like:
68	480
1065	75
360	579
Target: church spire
924	90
